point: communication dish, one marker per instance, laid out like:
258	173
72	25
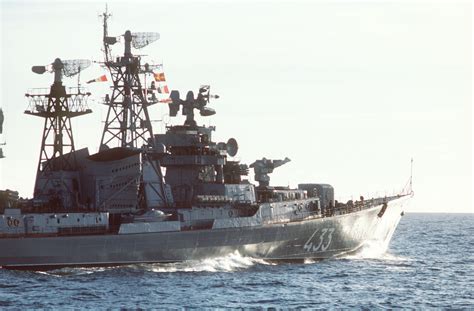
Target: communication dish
142	39
232	147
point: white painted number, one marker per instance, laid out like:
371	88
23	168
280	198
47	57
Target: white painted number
329	240
319	242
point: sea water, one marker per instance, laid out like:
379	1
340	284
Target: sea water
428	264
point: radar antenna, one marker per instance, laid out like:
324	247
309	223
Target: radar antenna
68	68
142	39
75	66
191	103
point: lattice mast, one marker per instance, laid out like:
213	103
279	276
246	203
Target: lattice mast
57	108
128	123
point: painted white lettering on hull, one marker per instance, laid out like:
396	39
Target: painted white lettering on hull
319	242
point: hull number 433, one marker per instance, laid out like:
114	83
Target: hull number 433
319	240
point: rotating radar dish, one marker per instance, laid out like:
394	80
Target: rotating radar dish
142	39
73	67
68	68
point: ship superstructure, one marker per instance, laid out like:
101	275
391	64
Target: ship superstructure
165	197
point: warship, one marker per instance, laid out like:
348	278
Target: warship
166	197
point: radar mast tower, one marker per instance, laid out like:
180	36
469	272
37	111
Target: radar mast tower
57	108
128	123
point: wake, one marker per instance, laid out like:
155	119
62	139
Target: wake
230	263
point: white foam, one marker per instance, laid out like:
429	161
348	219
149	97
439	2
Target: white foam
309	261
229	263
375	250
74	271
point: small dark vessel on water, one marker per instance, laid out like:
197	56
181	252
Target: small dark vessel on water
176	196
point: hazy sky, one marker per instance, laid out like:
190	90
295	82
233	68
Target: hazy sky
349	90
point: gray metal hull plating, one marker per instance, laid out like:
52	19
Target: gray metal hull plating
316	238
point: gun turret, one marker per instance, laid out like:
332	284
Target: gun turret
264	167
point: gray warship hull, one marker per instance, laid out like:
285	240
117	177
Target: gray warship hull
316	238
